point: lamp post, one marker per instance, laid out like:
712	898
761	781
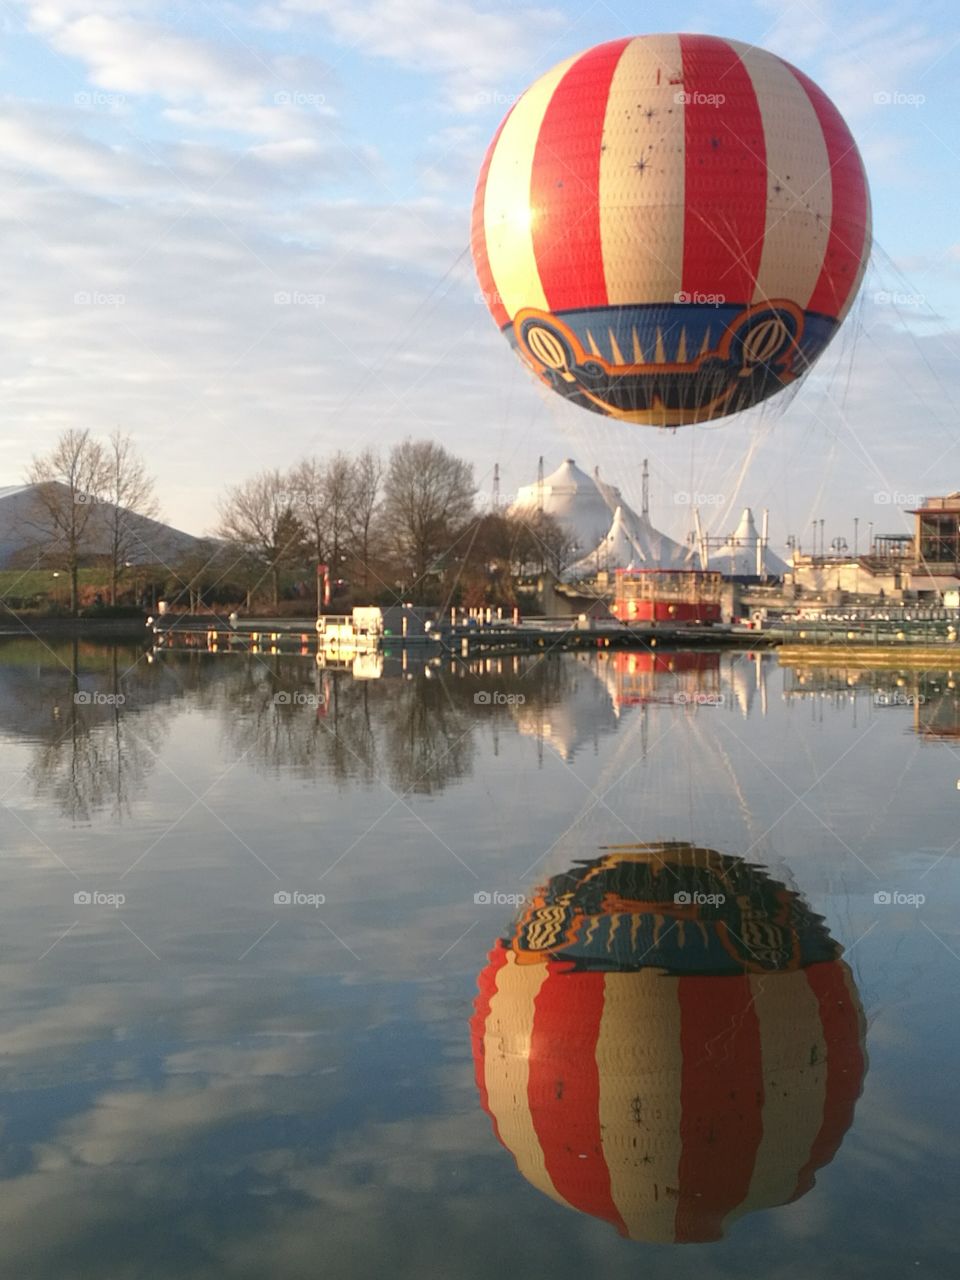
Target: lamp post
56	588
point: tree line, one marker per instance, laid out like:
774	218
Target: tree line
404	527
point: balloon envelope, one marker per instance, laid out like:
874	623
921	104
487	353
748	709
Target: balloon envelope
668	1065
671	228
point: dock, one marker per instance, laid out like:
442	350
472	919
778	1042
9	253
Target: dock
921	637
500	638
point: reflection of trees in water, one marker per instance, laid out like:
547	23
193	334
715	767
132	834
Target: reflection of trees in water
416	734
428	735
277	711
282	713
92	755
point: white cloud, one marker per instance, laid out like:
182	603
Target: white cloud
472	49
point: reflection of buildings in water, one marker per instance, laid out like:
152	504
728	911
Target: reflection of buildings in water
636	679
932	697
582	714
668	1064
607	685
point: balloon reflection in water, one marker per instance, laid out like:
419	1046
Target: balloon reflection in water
668	1039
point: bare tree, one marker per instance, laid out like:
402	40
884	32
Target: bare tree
260	518
337	490
69	482
428	493
306	484
541	543
367	481
129	491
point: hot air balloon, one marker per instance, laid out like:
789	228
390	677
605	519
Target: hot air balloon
671	228
667	1039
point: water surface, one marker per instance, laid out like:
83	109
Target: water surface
499	1043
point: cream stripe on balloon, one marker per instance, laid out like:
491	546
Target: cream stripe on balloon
641	1069
794	1058
641	221
506	1043
506	210
799	190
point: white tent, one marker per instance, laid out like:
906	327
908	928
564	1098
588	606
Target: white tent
573	499
631	542
605	529
738	555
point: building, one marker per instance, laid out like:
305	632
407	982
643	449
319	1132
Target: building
923	566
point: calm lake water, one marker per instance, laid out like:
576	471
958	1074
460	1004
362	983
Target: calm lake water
600	981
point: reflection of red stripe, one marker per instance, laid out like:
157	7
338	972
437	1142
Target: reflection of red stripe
565	183
725	195
564	1091
487	985
848	222
721	1099
840	1018
478	237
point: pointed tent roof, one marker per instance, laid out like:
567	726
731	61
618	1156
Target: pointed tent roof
738	555
631	542
617	550
587	507
657	551
573	499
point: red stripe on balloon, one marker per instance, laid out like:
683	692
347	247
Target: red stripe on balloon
848	222
565	183
721	1100
564	1091
840	1017
478	237
725	196
487	987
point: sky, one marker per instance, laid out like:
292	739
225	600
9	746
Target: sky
239	232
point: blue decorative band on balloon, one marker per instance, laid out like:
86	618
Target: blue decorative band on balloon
671	363
715	914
